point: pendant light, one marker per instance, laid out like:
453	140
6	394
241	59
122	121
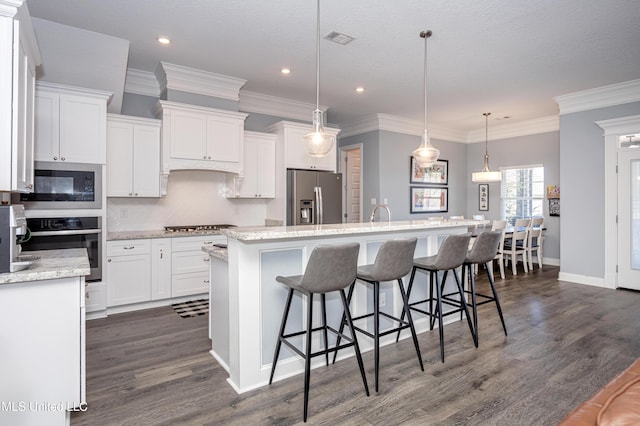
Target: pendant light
318	141
486	175
426	154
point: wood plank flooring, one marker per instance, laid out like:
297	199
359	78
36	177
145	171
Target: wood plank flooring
565	342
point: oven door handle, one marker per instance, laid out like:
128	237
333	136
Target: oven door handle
74	232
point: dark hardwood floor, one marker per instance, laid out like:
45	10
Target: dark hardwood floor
565	342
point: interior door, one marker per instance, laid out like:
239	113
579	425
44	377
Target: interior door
629	218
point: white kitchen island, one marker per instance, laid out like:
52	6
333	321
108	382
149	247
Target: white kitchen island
247	302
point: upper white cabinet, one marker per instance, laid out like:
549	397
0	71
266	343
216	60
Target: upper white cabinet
70	124
196	137
19	57
259	179
291	137
133	156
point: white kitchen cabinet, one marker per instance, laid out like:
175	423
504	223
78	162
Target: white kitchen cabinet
19	57
95	295
160	268
70	124
258	180
128	272
133	156
196	137
294	149
42	361
190	265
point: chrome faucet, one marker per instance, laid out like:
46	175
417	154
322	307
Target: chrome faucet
375	209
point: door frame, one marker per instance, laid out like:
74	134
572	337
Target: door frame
613	129
343	157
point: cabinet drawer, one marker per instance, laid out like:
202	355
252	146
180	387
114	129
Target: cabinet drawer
128	247
195	243
188	284
186	262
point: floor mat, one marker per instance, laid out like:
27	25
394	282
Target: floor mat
192	308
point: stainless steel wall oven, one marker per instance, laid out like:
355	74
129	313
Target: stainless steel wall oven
68	232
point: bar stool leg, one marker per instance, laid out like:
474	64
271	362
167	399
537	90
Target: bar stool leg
283	324
413	274
405	300
439	308
376	327
495	296
464	306
474	304
347	314
324	327
343	322
307	358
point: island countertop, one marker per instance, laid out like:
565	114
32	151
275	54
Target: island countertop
262	233
53	264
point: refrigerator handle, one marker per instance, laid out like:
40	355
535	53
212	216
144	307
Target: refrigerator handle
318	191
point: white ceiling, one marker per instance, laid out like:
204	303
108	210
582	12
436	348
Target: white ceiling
508	57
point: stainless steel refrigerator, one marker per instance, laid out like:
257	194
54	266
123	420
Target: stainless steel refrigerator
313	197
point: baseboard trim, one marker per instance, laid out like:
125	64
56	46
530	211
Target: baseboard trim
582	279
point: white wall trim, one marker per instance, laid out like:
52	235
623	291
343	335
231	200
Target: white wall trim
177	77
395	124
275	106
550	261
142	83
582	279
600	97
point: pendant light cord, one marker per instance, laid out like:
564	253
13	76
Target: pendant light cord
318	56
486	133
425	34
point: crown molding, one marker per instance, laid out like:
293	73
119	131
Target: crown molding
141	83
620	125
9	8
275	106
600	97
512	130
177	77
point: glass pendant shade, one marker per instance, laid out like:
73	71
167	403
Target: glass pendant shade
319	142
426	154
486	175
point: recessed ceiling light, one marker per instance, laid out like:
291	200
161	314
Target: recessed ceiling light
285	70
163	40
359	89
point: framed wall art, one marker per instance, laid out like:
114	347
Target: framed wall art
438	174
426	199
483	197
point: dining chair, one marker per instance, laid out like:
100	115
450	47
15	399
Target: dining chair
534	241
478	217
456	217
500	225
516	244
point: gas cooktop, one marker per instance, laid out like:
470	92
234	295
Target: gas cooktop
196	228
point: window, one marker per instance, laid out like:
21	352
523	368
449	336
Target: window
522	192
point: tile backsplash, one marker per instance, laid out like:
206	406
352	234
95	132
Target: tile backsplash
193	198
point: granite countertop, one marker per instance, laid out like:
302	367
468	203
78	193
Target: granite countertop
217	252
257	233
53	264
161	233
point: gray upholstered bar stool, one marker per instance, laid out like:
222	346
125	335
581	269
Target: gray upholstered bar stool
483	252
451	255
330	268
393	261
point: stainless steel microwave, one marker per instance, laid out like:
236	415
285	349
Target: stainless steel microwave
65	186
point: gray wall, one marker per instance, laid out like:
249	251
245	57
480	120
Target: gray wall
582	189
542	148
370	167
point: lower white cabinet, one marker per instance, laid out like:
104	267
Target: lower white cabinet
190	265
128	272
160	268
95	298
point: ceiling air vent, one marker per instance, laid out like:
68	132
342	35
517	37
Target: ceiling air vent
339	38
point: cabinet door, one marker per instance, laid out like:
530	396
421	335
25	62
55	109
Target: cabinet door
24	87
224	138
82	129
266	166
146	161
295	155
188	137
247	186
160	269
129	279
119	159
47	127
